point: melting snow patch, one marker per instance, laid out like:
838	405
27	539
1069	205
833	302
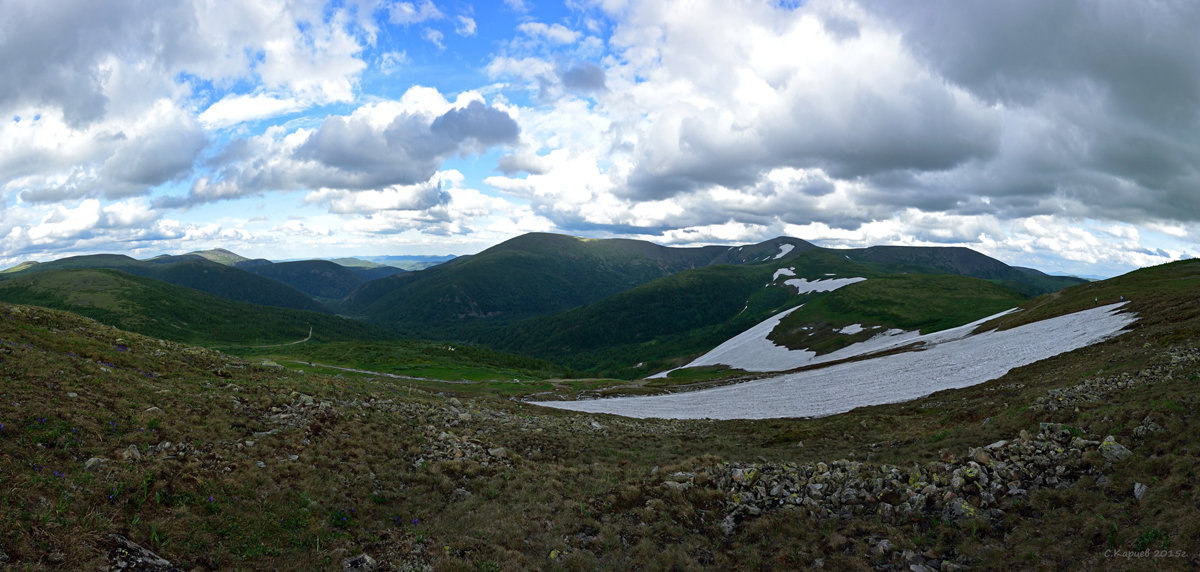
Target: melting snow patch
783	272
751	348
752	351
851	329
803	286
953	363
783	250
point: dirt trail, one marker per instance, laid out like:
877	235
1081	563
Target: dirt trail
380	373
306	338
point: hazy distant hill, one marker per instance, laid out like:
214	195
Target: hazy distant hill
220	256
966	262
374	270
317	278
405	262
192	271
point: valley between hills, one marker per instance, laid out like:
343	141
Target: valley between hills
212	412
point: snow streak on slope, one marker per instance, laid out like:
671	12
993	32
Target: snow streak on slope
783	250
803	286
952	363
752	351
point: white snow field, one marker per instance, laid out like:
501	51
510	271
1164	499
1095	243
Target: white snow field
803	286
783	250
752	351
946	363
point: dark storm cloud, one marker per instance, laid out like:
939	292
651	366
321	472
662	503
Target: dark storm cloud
1143	53
54	53
1120	83
922	129
158	157
408	151
353	154
475	125
585	77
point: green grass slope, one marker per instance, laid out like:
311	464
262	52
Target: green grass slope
925	302
417	359
215	463
171	312
668	321
633	332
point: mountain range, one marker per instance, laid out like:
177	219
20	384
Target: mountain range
608	306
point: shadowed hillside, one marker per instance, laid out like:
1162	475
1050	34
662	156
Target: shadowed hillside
163	310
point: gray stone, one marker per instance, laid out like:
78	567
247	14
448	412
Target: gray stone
729	524
1139	490
1112	450
360	562
131	453
128	555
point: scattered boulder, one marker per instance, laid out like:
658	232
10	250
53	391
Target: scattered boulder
1147	428
126	554
1139	490
960	490
360	562
1112	450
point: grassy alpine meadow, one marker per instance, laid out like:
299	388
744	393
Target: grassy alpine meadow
219	462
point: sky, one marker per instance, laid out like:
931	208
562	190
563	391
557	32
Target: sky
1063	136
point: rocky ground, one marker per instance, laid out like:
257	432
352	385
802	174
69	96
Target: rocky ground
127	453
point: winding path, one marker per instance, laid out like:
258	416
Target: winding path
309	337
